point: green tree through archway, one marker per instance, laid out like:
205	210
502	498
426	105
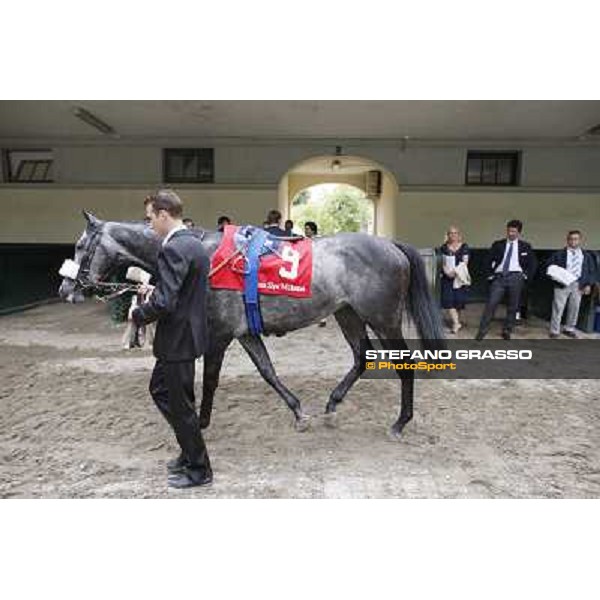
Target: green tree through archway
334	207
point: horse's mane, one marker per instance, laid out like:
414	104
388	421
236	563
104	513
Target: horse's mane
142	222
133	222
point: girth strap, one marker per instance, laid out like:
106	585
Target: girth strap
256	247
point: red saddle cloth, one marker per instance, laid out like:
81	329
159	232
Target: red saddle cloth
287	273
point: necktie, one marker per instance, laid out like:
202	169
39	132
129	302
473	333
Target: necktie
506	262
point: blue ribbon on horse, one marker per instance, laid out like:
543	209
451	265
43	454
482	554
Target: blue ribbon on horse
255	243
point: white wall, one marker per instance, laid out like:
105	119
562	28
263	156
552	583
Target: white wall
422	217
108	164
560	189
577	166
46	214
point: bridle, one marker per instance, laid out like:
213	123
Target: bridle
83	276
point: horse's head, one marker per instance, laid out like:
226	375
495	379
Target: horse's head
102	249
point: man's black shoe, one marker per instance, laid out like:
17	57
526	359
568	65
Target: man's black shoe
506	335
177	465
480	335
189	478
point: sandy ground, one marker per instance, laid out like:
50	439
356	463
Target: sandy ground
76	420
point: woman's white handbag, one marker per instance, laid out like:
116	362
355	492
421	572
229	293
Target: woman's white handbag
448	265
462	277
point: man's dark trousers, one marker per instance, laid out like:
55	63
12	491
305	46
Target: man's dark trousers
172	389
510	284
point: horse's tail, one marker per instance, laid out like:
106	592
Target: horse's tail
421	305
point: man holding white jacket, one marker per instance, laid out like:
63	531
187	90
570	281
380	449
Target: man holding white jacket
580	267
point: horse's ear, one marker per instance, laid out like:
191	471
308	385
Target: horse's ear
90	218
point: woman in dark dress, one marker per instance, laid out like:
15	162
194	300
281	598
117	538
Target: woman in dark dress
454	252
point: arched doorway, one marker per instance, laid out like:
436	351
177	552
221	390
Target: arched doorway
334	207
376	182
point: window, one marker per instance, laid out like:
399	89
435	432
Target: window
188	165
29	166
492	168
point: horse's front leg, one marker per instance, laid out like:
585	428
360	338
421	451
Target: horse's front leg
255	348
213	360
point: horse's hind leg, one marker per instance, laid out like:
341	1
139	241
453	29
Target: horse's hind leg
407	379
255	348
354	330
406	410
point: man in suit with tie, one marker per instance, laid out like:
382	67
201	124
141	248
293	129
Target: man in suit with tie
178	305
580	264
511	263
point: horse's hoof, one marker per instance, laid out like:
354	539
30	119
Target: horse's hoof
303	423
330	420
396	433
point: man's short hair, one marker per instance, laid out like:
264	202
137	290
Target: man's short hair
188	222
574	232
312	226
165	200
516	224
273	217
223	220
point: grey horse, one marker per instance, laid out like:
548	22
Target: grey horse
360	279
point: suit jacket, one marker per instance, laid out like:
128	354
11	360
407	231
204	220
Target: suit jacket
588	268
276	231
526	257
178	302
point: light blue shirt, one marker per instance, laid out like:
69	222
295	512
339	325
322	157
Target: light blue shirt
514	258
574	261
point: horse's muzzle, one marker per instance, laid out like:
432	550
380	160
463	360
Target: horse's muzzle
69	293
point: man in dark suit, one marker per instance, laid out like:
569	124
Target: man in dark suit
511	263
178	305
273	224
580	264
